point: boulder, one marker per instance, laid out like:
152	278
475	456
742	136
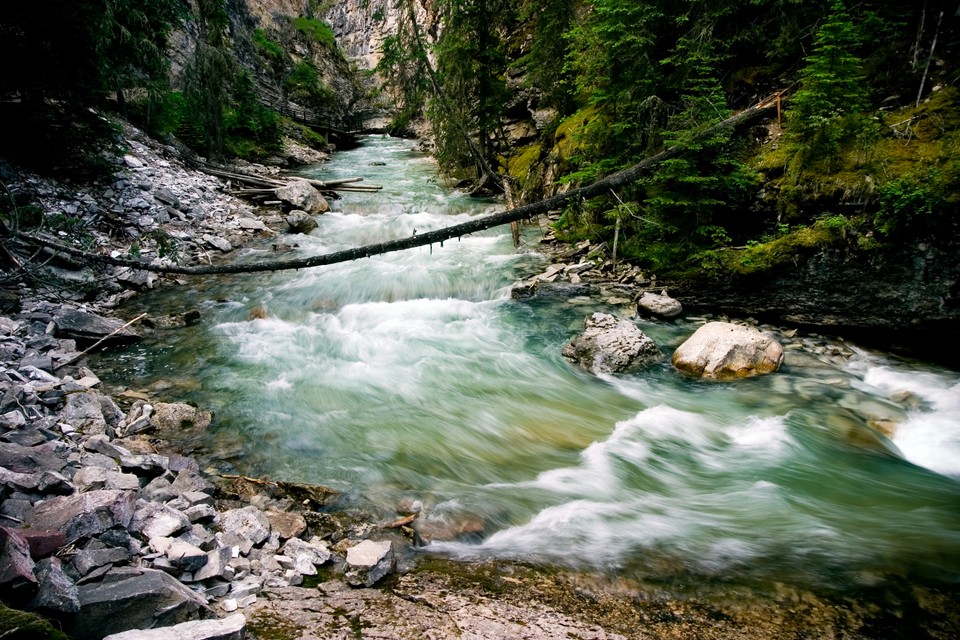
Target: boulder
300	194
286	524
609	345
86	327
368	562
178	416
662	305
57	592
249	522
155	520
229	628
17	582
306	556
21	459
134	599
301	222
84	514
726	351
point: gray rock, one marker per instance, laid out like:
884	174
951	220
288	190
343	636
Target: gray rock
286	524
727	351
200	513
301	222
17	581
153	520
186	556
249	586
216	564
87	327
177	417
221	244
662	305
84	514
368	562
137	599
102	444
19	481
53	483
300	194
229	628
84	413
57	592
306	556
167	197
248	521
20	459
609	345
87	560
95	478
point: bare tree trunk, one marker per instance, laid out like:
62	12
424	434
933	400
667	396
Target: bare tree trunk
926	70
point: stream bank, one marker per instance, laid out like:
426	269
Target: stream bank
460	599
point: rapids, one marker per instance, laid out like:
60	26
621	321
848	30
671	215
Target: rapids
414	376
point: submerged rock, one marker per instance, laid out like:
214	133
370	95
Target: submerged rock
89	327
609	345
726	351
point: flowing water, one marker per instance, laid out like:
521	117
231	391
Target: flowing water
414	376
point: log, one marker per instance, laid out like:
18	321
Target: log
243	177
524	212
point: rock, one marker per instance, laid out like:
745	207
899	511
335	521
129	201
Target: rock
300	194
221	244
176	417
134	599
306	556
84	514
57	593
167	197
216	564
248	521
301	222
17	582
726	351
609	345
95	478
84	412
662	306
85	327
229	628
42	543
20	459
154	520
87	560
132	162
286	524
368	562
186	556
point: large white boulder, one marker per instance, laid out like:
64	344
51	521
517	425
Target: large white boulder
610	345
726	351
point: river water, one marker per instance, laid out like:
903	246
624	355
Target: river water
414	376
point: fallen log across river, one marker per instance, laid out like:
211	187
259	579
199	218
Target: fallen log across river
439	236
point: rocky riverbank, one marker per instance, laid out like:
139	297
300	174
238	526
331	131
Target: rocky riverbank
106	528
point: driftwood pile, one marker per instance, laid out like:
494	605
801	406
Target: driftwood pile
264	188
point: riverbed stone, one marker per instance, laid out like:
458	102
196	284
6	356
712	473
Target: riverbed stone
300	194
286	524
660	305
84	514
248	522
175	417
611	345
727	351
301	222
229	628
306	556
134	599
368	562
86	327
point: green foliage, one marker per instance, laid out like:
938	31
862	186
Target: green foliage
402	66
828	110
251	130
316	31
546	59
911	204
305	85
267	47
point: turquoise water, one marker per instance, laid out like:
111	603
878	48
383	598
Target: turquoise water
414	376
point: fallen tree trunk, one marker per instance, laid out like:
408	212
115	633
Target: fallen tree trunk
524	212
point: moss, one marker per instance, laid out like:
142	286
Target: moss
570	138
767	255
316	30
267	47
20	625
519	165
267	626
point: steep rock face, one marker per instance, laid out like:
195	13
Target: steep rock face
903	298
361	26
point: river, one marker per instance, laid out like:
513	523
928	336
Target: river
414	376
